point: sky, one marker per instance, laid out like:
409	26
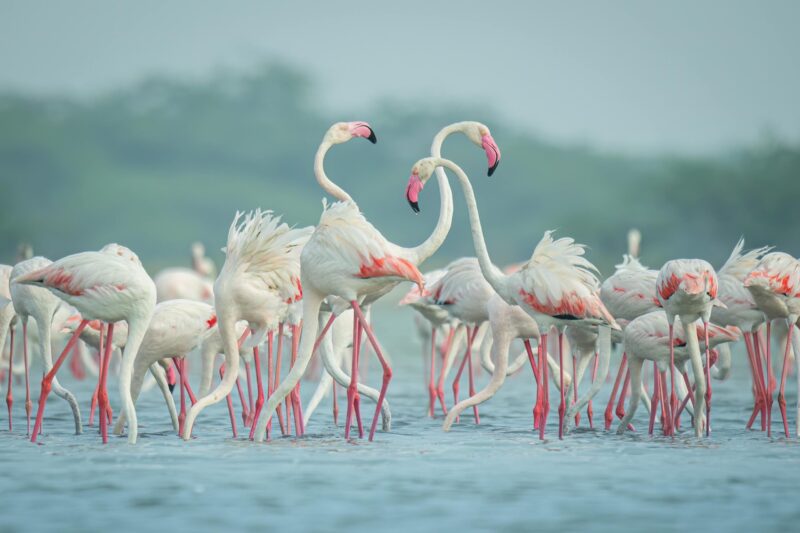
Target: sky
631	76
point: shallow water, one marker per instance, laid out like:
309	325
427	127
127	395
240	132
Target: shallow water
495	476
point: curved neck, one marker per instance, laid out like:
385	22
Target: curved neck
445	221
492	274
319	171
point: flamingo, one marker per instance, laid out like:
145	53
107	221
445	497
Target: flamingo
109	285
176	329
741	311
464	292
687	288
260	275
507	322
180	283
628	294
202	264
556	287
655	337
42	306
775	287
348	258
432	319
7	323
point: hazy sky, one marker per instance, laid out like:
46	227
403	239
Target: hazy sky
678	75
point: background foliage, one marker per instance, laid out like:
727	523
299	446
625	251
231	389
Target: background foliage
167	162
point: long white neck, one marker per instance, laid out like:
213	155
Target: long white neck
445	221
137	328
496	279
319	171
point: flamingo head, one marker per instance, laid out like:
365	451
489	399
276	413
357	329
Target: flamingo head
480	135
421	172
341	132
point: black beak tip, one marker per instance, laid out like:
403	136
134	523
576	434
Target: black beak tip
414	206
493	168
171	386
372	137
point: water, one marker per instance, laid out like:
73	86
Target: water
496	476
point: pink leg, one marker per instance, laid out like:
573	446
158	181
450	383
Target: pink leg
276	380
620	411
100	350
666	408
440	383
562	407
673	398
769	374
245	409
252	407
708	380
655	400
431	375
230	404
609	414
270	363
461	367
260	398
352	389
102	393
335	406
387	371
47	381
758	383
546	389
297	408
575	389
535	370
761	351
472	378
182	415
784	374
541	389
28	402
357	398
9	394
589	408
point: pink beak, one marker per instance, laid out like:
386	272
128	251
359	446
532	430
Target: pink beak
412	192
492	152
362	129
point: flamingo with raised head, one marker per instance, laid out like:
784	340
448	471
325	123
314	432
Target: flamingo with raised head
775	286
556	287
41	305
348	258
687	288
109	285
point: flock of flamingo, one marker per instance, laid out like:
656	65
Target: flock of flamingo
312	288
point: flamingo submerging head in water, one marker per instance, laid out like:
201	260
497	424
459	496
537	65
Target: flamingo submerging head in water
109	285
687	288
